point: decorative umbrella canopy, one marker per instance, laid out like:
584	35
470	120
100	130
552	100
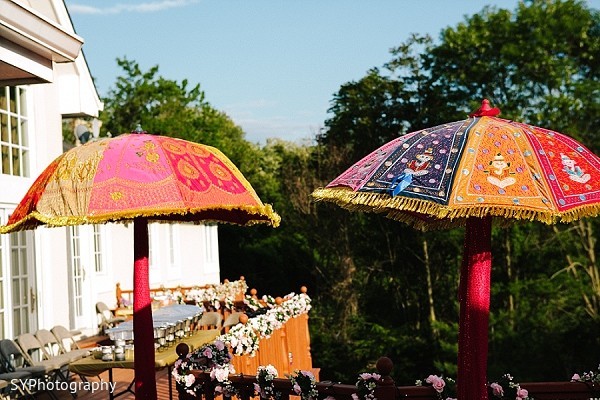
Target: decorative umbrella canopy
139	177
466	173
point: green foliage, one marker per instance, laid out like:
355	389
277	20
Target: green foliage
538	63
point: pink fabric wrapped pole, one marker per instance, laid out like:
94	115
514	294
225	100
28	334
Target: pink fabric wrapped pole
474	297
145	378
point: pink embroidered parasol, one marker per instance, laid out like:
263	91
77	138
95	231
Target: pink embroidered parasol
466	173
140	177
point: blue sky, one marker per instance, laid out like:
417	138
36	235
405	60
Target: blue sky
272	65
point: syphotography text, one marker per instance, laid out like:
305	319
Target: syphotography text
36	385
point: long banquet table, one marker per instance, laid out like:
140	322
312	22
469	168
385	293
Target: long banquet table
91	366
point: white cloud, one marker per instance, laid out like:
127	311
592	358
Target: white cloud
262	119
153	6
261	129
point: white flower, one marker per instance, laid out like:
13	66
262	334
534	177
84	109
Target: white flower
220	374
189	380
272	371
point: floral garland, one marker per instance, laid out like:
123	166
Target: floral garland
304	384
264	378
269	300
213	358
244	338
366	385
590	376
252	303
226	292
506	388
444	391
503	389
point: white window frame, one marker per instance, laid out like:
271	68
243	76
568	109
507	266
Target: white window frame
98	249
21	120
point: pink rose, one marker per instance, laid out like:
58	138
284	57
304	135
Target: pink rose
297	389
437	382
575	377
522	393
497	390
307	373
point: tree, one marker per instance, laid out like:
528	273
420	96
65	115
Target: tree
539	64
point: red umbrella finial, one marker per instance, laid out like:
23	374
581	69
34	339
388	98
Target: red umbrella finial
485	110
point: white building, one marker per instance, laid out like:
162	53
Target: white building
55	276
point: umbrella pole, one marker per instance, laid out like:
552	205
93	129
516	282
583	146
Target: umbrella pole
474	298
143	331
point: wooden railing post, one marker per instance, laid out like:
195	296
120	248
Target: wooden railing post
386	388
119	295
182	351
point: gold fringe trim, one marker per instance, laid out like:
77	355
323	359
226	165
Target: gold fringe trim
252	215
427	215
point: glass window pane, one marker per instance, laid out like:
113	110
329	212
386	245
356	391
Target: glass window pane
12	105
5	159
24	138
16	162
4	127
23	102
16	292
16	322
14	262
23	252
25	319
14	133
25	163
3	102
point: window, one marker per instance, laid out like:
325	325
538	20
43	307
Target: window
77	273
98	249
14	146
22	291
18	304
